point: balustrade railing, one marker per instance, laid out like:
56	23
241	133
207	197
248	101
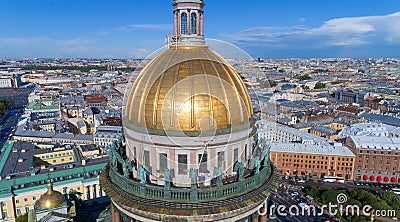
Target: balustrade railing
175	194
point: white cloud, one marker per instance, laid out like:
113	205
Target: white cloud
351	31
134	27
40	41
45	46
139	53
302	19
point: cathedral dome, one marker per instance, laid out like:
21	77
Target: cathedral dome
51	199
188	89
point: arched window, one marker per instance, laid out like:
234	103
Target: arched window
193	23
184	23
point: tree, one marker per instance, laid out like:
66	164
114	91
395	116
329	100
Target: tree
319	85
22	218
313	192
305	87
266	83
304	77
391	199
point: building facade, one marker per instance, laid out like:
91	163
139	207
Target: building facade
310	160
299	153
377	158
23	183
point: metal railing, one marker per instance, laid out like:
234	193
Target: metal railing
179	194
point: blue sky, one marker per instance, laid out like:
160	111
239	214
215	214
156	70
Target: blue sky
264	28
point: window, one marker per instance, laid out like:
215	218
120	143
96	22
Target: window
5	215
184	23
203	163
163	162
235	154
146	158
221	159
34	198
193	24
26	209
17	201
19	212
182	164
25	199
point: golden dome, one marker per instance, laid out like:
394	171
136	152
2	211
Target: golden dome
187	89
51	199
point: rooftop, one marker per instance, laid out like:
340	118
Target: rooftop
381	143
311	149
390	120
20	176
43	104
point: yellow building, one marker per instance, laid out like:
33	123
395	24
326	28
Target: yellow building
22	184
54	158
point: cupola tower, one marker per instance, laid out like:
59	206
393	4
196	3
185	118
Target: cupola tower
188	22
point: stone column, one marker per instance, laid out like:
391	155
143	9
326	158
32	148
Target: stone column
263	218
112	213
198	32
90	190
201	25
116	215
176	31
84	193
179	27
254	217
98	193
189	20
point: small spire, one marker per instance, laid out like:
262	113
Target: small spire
49	184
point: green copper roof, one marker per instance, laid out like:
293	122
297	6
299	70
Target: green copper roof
38	104
6	150
5	185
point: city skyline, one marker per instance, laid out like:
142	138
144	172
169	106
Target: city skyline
134	29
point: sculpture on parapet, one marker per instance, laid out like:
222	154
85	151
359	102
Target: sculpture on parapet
193	174
125	168
263	144
266	157
142	175
167	177
113	158
218	175
255	138
239	169
258	165
121	141
114	145
66	193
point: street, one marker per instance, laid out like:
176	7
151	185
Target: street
8	121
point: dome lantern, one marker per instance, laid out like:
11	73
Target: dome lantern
188	23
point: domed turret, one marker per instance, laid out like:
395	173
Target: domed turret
51	199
